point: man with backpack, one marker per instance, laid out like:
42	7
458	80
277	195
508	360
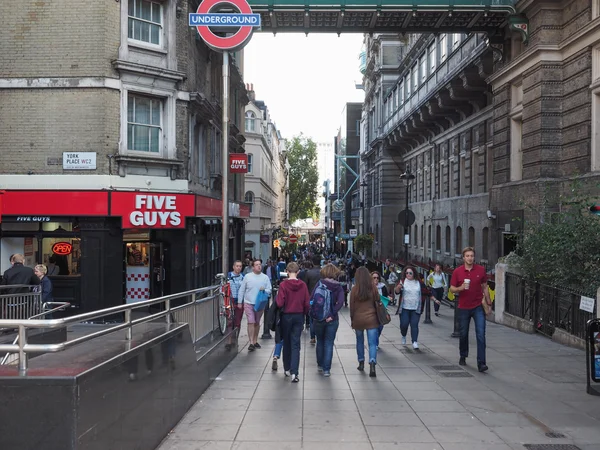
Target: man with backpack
313	275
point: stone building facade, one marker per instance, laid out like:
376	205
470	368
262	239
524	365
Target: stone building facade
493	129
130	84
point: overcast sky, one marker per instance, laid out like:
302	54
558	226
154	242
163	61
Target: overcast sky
305	81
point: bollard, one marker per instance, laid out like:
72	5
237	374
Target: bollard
266	332
456	331
428	311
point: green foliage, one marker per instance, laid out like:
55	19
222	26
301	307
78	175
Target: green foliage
304	178
363	242
564	247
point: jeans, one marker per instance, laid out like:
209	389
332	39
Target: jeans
379	331
312	328
291	330
464	317
438	293
325	332
372	340
410	317
278	348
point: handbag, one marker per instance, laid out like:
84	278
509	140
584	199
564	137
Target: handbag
262	298
382	313
486	308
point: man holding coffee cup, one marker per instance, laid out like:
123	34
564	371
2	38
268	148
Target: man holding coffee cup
469	281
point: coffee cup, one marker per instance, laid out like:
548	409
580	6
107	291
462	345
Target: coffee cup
467	283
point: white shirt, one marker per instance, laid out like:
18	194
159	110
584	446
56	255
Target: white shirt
438	280
411	295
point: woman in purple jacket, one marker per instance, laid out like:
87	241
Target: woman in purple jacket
326	330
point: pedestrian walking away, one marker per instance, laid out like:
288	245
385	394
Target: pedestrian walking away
363	317
438	284
326	301
469	281
293	301
382	290
253	283
313	275
412	296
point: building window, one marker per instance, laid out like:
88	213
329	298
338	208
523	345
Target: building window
595	131
422	236
145	21
471	237
144	123
415	78
485	243
250	161
401	94
416	234
358	127
407	85
200	152
595	9
249	199
448	239
216	146
432	58
516	151
429	236
456	38
423	68
250	119
438	238
459	243
443	47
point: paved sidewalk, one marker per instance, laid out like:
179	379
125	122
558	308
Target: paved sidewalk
535	389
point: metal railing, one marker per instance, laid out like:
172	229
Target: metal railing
199	303
547	307
19	301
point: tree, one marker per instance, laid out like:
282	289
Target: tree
304	178
564	247
363	242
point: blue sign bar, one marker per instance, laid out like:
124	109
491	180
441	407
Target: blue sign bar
225	20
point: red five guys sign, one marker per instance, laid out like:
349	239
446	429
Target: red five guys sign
156	210
238	163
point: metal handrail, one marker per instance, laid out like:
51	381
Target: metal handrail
22	325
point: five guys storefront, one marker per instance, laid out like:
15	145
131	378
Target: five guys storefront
106	248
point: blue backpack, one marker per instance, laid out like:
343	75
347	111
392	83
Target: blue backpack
321	306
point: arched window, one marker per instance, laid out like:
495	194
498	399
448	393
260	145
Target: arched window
429	236
485	243
416	235
448	237
249	199
250	119
459	241
438	238
471	237
422	235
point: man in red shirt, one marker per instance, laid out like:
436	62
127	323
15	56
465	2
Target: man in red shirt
469	281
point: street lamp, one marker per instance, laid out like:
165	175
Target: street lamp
407	176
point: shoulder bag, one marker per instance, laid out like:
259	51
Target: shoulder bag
382	313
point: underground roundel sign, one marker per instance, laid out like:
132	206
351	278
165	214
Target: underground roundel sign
224	31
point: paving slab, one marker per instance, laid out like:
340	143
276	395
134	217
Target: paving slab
534	393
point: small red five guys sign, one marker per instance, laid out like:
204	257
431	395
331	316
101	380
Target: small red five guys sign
145	210
238	163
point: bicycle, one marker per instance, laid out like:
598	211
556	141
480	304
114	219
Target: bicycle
226	310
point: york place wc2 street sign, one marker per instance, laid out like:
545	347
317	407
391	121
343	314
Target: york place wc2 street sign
79	160
230	30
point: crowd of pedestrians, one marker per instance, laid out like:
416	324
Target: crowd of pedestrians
312	289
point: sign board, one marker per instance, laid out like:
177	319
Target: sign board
407	238
353	232
234	209
240	23
79	160
587	304
62	248
293	239
152	210
344	236
265	238
238	163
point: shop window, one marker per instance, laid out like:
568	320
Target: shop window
145	22
144	123
61	255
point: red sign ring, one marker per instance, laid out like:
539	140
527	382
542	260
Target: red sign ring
224	43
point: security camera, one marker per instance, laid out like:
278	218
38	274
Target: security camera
148	183
490	215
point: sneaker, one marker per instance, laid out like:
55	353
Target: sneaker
274	365
257	345
251	348
287	373
295	379
326	374
416	345
319	369
437	314
462	361
403	340
482	368
313	341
